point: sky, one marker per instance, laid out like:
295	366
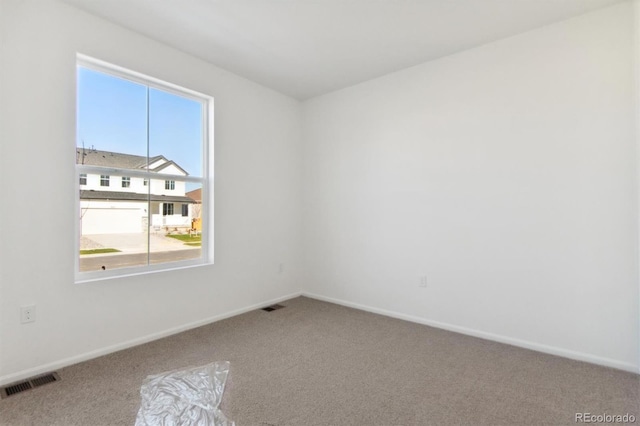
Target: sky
112	116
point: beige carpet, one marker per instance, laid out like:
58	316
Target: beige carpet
314	363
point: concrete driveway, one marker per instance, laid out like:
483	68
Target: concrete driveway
133	243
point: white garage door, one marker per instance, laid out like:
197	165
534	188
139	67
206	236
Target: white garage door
111	221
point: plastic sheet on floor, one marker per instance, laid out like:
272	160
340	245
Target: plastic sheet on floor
184	397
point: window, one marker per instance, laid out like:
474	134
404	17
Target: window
83	178
167	209
146	132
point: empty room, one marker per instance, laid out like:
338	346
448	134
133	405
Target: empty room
319	212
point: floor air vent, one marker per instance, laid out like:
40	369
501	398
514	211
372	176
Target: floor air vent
25	385
272	308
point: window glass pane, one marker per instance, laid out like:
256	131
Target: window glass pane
175	138
112	132
113	233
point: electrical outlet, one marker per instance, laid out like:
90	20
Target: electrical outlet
423	281
27	314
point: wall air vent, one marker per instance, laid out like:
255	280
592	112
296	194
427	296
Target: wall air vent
25	385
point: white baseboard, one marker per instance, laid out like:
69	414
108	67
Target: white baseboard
21	375
553	350
580	356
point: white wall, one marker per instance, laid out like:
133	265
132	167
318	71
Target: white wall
257	195
505	174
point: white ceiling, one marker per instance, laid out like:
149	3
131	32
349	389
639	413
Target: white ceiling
305	48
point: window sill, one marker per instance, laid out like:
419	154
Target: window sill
95	276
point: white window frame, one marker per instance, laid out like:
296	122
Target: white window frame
207	253
170	184
125	181
104	178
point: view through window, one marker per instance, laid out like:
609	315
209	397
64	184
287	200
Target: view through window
141	148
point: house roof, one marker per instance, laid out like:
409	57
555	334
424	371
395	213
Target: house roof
195	195
131	196
167	164
94	157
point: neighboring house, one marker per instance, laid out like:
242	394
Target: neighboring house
114	204
196	208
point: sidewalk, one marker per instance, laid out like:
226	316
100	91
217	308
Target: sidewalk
133	243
